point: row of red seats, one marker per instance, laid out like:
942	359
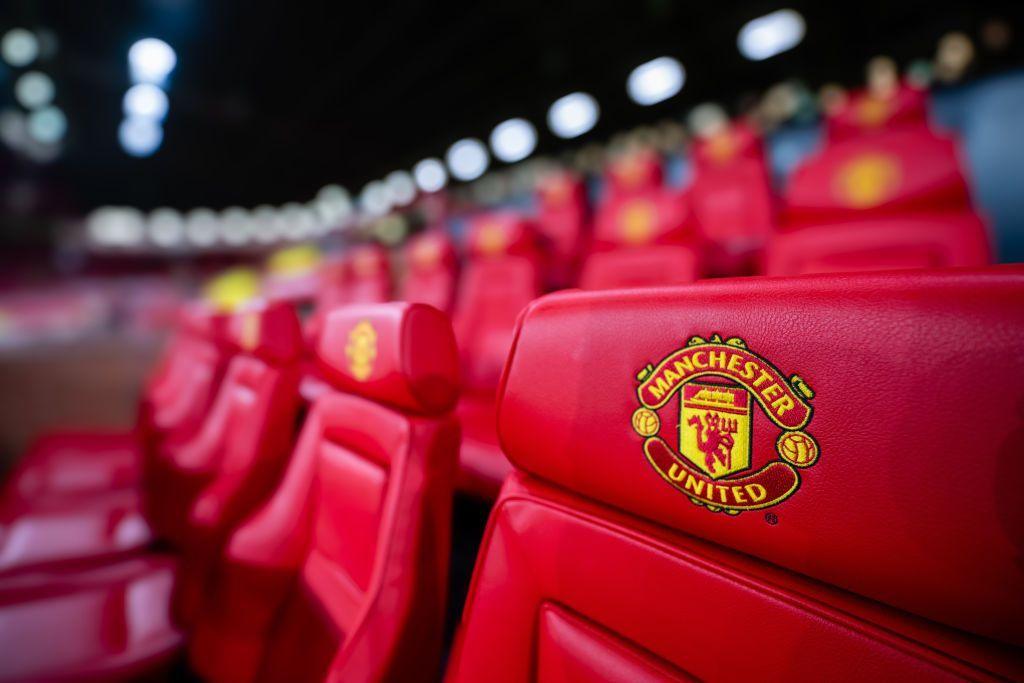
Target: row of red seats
836	533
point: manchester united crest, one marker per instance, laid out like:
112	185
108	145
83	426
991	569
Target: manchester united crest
718	384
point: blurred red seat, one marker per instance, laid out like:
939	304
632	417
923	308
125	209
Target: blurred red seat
431	270
660	526
369	274
563	222
108	623
642	238
891	200
344	568
865	113
731	200
199	490
501	277
174	402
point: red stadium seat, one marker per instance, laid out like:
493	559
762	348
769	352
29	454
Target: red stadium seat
198	491
109	623
369	274
345	566
642	239
563	223
862	521
501	277
174	402
891	200
731	200
634	172
431	270
866	113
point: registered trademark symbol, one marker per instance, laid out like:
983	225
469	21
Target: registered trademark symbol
771	518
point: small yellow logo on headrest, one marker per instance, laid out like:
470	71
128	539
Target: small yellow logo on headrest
492	239
867	180
637	221
872	112
722	147
426	253
361	350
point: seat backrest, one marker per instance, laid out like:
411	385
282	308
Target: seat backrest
563	223
642	239
865	113
431	270
634	172
770	478
501	276
890	172
238	451
731	198
894	199
361	520
905	242
369	274
182	387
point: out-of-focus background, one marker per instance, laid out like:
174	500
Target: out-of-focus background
147	147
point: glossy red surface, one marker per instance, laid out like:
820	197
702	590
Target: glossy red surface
871	569
432	271
895	199
563	220
731	200
864	113
342	572
501	277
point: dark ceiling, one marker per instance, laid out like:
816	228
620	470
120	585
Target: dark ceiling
272	100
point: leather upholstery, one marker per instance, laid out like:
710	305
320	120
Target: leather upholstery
865	113
110	622
564	223
431	270
644	238
895	199
731	200
501	277
344	567
199	490
896	557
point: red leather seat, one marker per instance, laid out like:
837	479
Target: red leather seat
642	239
174	401
109	623
731	200
890	200
198	491
501	277
369	274
344	568
861	521
866	113
431	270
563	222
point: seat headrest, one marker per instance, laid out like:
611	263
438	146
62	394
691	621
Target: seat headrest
430	251
400	354
561	190
738	141
201	320
367	261
866	113
909	169
268	330
502	233
640	170
873	415
652	216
